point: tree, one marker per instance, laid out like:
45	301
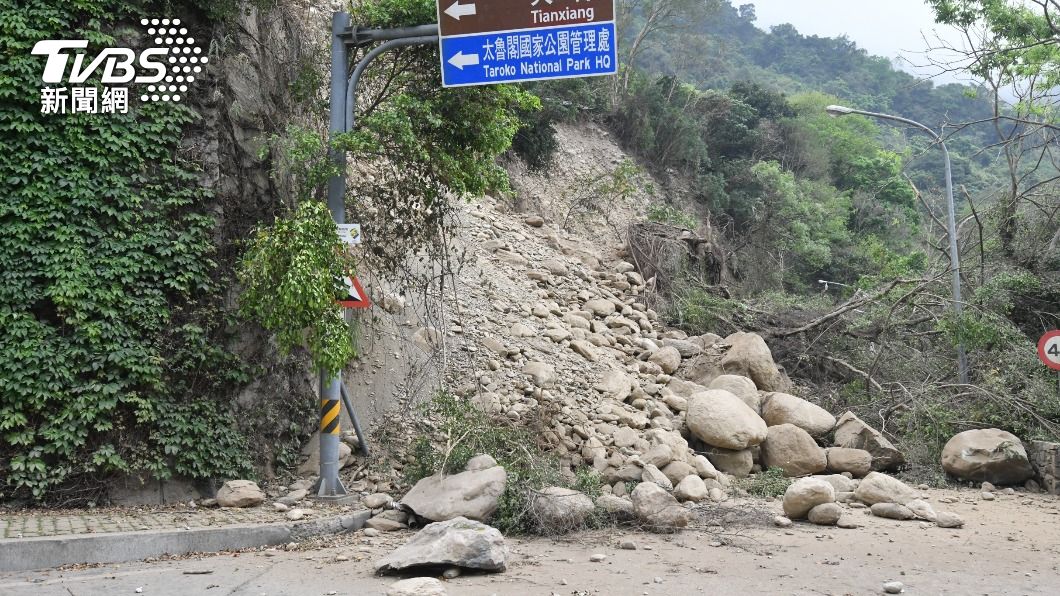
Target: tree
1015	50
651	16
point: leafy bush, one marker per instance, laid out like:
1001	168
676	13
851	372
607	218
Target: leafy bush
292	273
425	145
696	309
536	141
668	214
769	483
453	430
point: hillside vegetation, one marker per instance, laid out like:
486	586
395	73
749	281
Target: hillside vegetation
124	301
733	117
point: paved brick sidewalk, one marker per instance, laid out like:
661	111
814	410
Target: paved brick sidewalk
31	523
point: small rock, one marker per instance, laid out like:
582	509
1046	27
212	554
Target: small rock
597	558
377	500
825	514
559	510
782	522
987	496
922	510
370	532
893	587
240	493
295	514
805	494
692	488
847	522
628	545
880	488
451	573
417	586
658	508
945	519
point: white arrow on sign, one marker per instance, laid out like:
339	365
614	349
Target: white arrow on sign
460	60
458	10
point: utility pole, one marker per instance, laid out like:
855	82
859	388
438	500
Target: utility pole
343	109
951	219
479	46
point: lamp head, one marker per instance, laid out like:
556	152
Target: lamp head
836	111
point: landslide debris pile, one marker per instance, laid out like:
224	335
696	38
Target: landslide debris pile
554	333
557	334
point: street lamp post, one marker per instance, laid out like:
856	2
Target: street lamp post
951	220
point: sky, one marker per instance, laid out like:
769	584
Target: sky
888	28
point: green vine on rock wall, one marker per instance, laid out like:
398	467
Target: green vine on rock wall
106	359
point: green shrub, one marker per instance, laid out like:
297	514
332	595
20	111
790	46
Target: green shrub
536	141
452	431
769	483
668	214
697	310
292	273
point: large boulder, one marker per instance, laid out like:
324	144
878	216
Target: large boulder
749	356
733	463
658	509
617	508
793	450
667	357
691	488
459	542
804	494
473	495
240	493
892	511
741	387
857	462
560	510
720	419
542	374
781	408
852	433
987	455
840	483
881	488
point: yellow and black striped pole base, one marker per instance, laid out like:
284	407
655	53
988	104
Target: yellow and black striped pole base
329	416
330	487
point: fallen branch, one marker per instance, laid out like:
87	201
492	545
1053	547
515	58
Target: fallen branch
852	304
853	369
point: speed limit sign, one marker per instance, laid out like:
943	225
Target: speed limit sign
1049	349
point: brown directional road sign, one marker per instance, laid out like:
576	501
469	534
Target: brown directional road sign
467	17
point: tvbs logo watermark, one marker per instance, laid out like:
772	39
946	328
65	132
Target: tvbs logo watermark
167	69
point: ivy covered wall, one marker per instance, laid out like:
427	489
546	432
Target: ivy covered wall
116	236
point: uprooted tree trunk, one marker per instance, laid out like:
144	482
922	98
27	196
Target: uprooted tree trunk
665	253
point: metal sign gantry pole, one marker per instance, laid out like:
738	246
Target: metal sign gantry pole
343	117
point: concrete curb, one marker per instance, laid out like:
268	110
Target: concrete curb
53	551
